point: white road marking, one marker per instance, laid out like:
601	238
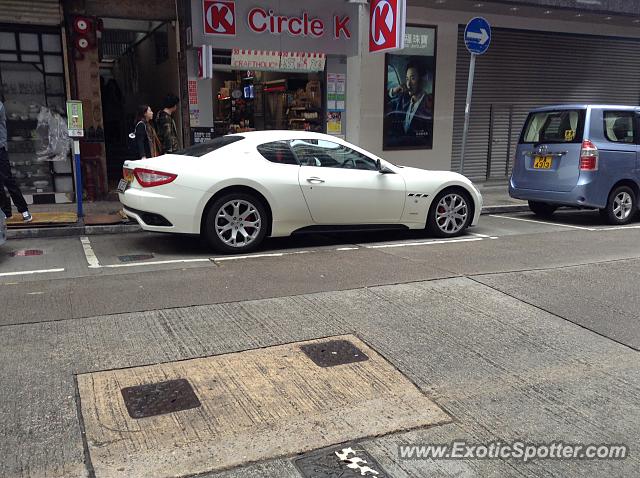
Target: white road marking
423	243
92	259
347	248
42	271
484	236
154	263
254	256
543	222
616	228
35	293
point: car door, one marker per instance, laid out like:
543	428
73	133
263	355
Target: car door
344	186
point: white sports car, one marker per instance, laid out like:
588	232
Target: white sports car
238	189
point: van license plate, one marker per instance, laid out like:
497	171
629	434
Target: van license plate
542	162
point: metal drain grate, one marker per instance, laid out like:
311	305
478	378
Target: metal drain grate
26	253
347	461
159	398
333	352
135	257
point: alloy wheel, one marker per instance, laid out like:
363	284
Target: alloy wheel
238	223
622	205
451	213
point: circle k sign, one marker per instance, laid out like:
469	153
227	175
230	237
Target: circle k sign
387	25
219	17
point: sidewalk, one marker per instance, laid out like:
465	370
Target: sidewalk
102	217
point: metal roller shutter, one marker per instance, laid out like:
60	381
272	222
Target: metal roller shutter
523	70
33	12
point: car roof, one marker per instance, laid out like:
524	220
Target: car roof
259	137
582	106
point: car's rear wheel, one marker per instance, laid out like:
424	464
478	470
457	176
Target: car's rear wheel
450	213
236	223
542	208
621	206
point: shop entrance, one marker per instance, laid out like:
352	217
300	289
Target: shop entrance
267	100
138	65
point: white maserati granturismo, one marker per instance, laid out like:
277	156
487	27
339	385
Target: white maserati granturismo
238	189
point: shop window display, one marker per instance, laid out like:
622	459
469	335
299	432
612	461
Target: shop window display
250	101
32	80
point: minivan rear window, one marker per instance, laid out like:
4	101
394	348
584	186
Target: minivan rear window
561	126
201	149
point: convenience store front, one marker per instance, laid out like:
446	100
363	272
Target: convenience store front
267	66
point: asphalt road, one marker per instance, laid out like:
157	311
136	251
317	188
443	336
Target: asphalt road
521	329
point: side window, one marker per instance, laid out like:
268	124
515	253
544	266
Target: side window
277	152
619	126
328	154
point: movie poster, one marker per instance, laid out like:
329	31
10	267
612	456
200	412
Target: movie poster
409	92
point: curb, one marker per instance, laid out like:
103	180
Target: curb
73	230
505	208
69	231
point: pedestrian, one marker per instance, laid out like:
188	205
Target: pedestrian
166	126
147	142
6	177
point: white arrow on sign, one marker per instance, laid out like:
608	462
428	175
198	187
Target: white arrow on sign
482	37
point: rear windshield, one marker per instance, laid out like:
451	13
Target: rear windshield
562	126
201	149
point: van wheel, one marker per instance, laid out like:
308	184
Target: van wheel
236	223
621	206
542	208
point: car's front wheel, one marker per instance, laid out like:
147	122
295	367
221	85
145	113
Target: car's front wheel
236	223
621	206
542	209
450	213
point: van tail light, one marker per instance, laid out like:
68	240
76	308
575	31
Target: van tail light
589	156
149	178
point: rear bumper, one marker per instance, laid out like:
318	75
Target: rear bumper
583	195
159	210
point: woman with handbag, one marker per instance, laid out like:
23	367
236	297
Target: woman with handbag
147	142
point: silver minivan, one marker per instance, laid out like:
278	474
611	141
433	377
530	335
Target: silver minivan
583	156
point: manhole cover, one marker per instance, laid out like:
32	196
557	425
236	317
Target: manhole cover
26	253
135	257
344	462
333	352
159	398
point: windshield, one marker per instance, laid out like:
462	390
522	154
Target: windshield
561	126
201	149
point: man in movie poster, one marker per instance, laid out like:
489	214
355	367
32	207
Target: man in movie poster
409	93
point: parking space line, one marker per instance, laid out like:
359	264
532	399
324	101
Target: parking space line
255	256
423	243
582	228
42	271
90	255
484	236
616	228
155	263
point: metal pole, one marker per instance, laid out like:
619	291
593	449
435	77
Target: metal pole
78	177
465	130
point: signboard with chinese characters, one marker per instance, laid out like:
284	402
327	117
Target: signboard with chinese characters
75	119
266	60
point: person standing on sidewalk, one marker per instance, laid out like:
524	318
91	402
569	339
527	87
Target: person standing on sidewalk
166	126
6	178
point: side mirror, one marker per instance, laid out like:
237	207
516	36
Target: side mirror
382	169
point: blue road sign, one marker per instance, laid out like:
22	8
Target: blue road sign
477	35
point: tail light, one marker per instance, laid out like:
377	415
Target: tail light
589	156
149	178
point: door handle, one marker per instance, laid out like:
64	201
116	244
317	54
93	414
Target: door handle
315	180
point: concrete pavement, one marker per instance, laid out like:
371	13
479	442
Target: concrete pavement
529	336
